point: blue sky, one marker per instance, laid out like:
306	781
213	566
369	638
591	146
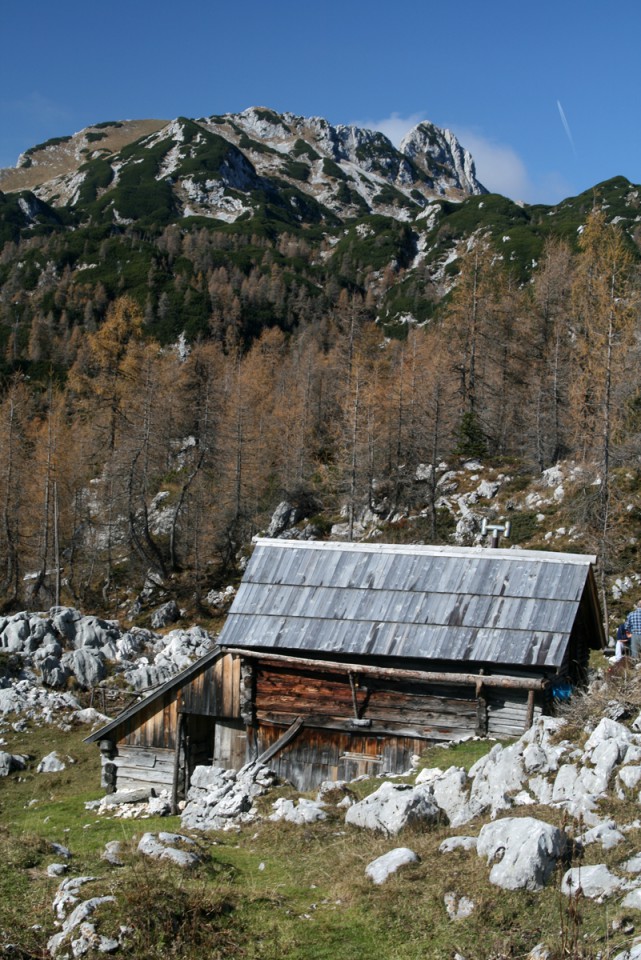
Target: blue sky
545	95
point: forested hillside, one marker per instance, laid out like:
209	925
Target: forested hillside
168	379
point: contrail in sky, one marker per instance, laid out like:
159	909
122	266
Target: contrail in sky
566	126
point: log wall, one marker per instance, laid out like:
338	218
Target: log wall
375	725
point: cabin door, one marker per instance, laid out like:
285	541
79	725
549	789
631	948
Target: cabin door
230	744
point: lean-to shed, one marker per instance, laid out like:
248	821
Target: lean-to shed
339	659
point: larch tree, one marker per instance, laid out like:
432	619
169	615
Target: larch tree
15	411
550	351
605	315
468	329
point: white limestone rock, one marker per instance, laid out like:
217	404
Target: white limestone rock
392	807
52	763
458	843
383	867
164	615
605	730
524	851
10	762
632	900
73	921
87	665
450	792
302	811
458	907
497	777
633	864
164	846
113	853
605	833
633	953
595	882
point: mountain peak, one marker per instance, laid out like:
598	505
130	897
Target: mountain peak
429	146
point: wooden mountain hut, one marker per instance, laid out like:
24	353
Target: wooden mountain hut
339	659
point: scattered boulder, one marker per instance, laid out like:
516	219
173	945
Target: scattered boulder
458	843
458	907
605	833
302	811
524	851
168	846
382	868
594	882
51	764
285	515
140	795
164	615
221	600
113	853
393	807
10	762
87	665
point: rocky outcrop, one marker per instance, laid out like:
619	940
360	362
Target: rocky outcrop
218	799
431	149
65	645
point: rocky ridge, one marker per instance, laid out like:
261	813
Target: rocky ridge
213	165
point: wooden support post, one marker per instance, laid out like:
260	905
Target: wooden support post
529	717
179	742
481	711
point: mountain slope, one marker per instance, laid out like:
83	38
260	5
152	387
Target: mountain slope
203	165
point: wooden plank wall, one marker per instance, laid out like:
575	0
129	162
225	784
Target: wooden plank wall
213	692
402	708
507	712
154	726
216	691
316	755
139	767
404	716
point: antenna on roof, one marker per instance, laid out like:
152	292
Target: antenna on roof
497	529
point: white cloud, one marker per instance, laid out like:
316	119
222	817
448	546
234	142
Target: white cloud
498	166
501	170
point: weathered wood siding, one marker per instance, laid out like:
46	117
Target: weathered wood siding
327	701
507	712
316	755
213	692
373	728
216	691
138	767
145	742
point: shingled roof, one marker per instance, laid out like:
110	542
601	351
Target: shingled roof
513	607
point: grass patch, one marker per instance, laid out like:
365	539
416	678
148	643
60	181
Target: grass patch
273	891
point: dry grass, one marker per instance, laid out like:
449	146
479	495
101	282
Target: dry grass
617	694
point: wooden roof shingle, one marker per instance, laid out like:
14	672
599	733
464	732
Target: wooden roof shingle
513	607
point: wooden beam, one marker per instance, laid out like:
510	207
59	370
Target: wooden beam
392	673
282	742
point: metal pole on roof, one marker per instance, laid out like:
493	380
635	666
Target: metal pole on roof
497	529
